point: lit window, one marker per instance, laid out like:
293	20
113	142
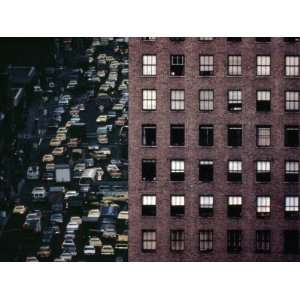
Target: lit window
234	65
234	207
263	136
206	100
234	171
205	39
291	171
149	99
292	100
263	65
148	205
177	170
292	66
234	100
263	100
206	65
291	207
177	205
149	240
206	206
149	65
263	171
205	240
263	206
177	99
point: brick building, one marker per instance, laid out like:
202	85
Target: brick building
214	149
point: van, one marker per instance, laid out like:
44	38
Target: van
39	193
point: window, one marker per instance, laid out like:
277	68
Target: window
234	241
263	100
149	170
177	99
177	170
177	205
206	135
148	39
292	101
263	39
205	39
234	65
177	65
291	206
263	65
234	171
263	241
291	39
234	135
149	135
148	205
234	206
206	170
291	171
149	240
206	99
291	241
149	65
291	136
292	66
177	39
234	100
263	136
205	240
177	240
206	207
263	171
177	135
206	65
149	99
234	39
263	206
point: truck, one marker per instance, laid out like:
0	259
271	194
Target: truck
62	173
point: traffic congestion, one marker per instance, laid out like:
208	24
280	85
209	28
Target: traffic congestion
72	204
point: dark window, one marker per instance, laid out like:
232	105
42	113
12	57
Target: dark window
291	39
234	39
263	171
263	206
148	169
148	240
177	65
234	100
291	136
234	241
149	135
206	170
263	100
263	241
292	65
291	173
206	65
291	241
177	135
177	205
206	135
148	205
148	39
291	206
263	39
263	136
177	240
292	101
177	170
206	206
234	134
234	171
177	39
234	65
205	240
234	206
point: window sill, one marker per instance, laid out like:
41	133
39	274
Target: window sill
143	146
176	76
174	146
148	76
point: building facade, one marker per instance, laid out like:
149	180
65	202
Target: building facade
214	149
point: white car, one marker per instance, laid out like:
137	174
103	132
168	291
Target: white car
71	194
107	250
94	214
33	172
39	192
73	226
76	219
75	119
68	243
89	250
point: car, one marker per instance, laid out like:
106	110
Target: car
109	233
58	151
55	229
69	236
112	168
68	243
44	251
118	107
50	167
56	218
75	119
48	176
71	193
95	241
121	246
73	143
39	192
101	118
89	250
89	162
59	110
48	158
79	167
76	219
73	225
31	259
71	250
81	107
63	130
103	139
61	136
107	250
19	209
33	172
66	256
54	142
94	214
